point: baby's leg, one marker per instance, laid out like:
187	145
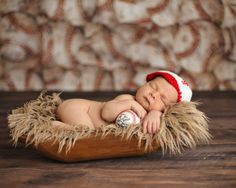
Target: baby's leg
75	112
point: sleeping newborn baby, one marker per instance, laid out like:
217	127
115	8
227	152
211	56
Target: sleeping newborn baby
162	89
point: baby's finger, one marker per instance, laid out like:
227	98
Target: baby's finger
145	127
150	127
158	126
154	128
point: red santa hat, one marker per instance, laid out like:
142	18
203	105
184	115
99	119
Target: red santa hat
181	86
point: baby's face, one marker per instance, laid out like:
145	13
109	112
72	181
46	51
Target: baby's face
156	94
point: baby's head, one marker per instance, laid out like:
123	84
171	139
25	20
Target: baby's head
162	89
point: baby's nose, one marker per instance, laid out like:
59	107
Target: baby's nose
154	94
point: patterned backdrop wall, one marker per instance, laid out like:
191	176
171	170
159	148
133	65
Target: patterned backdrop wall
88	45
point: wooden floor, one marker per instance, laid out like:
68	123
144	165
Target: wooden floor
212	165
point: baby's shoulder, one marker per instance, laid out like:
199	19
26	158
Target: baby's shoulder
124	97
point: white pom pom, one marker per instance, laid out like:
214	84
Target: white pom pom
127	118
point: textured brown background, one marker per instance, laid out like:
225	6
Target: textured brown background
87	45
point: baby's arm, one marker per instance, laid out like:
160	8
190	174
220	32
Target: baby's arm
113	108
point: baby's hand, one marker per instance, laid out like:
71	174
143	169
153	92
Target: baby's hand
151	123
138	109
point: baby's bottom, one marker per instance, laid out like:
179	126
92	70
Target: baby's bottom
73	112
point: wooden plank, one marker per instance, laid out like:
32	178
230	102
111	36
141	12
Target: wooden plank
206	164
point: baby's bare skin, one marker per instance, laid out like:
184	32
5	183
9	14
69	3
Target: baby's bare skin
149	102
82	111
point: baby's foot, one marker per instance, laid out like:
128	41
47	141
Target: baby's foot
58	125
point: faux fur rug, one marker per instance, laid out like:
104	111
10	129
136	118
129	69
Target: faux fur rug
182	126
